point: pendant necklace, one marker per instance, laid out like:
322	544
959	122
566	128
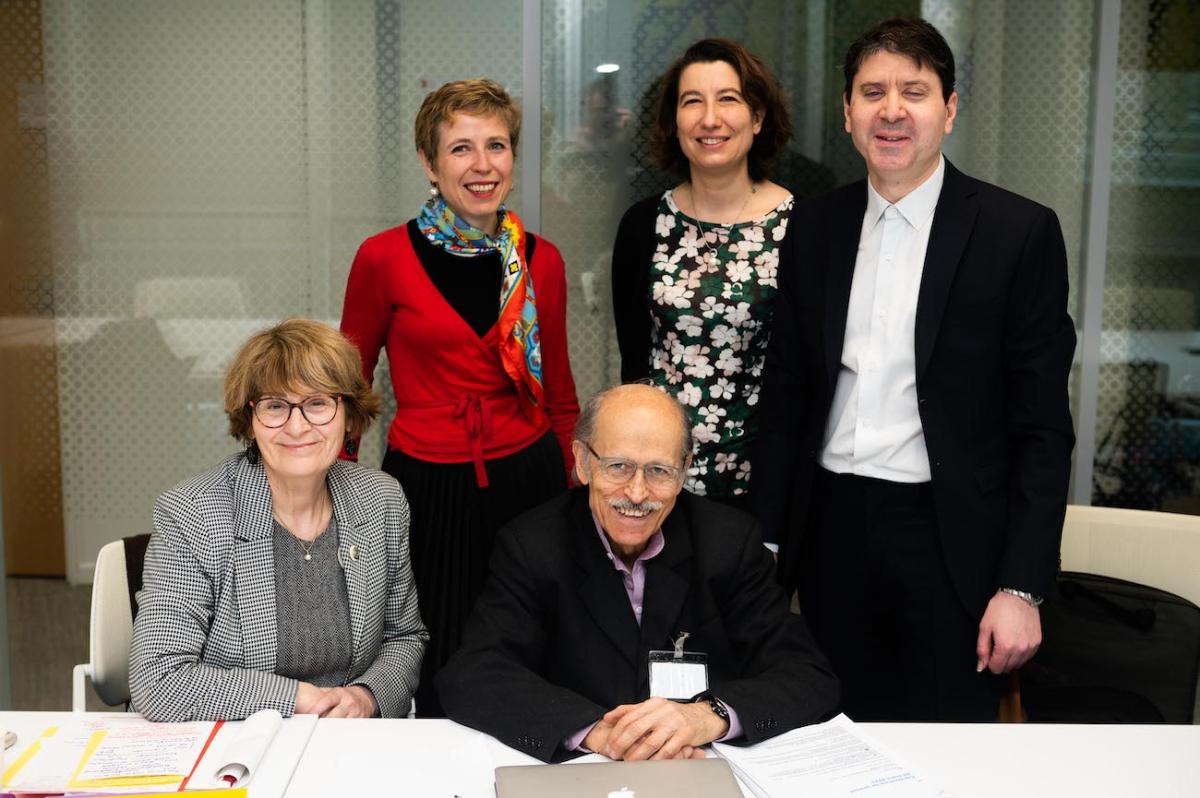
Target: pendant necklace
307	549
710	255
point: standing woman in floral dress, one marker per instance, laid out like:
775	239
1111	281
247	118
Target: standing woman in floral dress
694	269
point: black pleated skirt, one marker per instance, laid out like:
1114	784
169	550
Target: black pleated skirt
454	523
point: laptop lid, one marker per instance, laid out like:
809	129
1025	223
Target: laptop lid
694	778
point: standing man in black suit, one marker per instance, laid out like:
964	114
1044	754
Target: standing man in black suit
916	395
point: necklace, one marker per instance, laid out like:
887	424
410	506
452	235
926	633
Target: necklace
711	259
307	549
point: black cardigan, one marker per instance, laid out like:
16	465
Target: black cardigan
632	254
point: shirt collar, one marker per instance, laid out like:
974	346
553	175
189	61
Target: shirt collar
916	206
653	548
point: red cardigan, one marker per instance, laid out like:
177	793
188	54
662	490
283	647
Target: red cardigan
454	401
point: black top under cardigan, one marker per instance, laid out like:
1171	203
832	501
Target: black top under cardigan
472	289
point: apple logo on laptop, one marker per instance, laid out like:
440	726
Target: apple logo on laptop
624	792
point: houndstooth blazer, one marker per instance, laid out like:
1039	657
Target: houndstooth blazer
204	640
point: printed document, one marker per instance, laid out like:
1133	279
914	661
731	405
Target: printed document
834	758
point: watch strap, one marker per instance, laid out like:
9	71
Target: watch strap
1029	598
713	702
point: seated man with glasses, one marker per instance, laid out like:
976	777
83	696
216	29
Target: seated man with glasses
632	619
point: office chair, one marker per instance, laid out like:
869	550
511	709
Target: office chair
1121	641
117	580
1152	548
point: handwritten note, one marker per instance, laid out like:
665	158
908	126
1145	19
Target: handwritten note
134	754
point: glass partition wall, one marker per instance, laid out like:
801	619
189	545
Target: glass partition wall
174	175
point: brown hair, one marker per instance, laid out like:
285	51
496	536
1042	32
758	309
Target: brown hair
477	97
760	88
293	353
908	36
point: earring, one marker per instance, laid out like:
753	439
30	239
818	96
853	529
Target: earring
433	189
351	446
253	455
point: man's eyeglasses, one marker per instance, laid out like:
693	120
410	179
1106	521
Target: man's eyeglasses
618	471
274	412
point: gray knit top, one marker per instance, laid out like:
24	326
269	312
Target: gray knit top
312	609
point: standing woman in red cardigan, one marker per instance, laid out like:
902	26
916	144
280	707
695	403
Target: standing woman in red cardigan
472	310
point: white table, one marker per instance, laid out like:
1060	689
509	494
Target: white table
1022	760
441	758
349	757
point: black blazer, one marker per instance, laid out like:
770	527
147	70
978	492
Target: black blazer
994	346
552	643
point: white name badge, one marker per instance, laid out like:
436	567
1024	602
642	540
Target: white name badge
678	675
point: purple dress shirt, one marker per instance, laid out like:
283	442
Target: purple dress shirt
635	587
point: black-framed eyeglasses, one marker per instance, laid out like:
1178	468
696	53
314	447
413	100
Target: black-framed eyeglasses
318	410
618	470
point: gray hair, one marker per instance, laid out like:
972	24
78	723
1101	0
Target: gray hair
585	425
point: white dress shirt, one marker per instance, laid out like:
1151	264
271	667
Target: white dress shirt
874	429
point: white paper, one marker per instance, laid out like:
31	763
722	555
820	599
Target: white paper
828	759
239	750
146	749
274	771
59	754
677	680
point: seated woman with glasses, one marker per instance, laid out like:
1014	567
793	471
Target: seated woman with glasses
280	579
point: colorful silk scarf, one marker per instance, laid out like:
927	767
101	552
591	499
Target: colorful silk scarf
520	343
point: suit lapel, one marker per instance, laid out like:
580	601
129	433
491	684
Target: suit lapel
953	220
839	273
365	569
254	565
600	588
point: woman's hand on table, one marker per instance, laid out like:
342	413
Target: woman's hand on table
354	701
312	700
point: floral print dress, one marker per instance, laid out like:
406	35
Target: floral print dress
712	290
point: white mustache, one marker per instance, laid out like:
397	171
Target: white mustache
638	507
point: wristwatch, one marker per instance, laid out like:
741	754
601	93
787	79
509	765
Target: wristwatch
717	707
1029	598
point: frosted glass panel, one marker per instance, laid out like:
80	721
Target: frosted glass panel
1148	421
212	168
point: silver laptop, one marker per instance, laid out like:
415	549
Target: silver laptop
694	778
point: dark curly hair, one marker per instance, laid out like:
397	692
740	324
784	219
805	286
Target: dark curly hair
760	88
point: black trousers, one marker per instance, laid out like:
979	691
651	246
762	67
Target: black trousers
878	599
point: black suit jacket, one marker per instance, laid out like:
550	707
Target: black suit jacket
553	644
994	346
